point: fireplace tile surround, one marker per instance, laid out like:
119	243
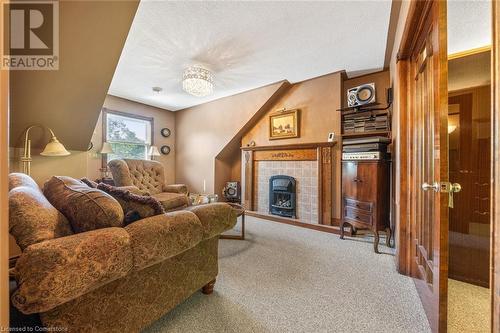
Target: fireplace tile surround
306	176
310	164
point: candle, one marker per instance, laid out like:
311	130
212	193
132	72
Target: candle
204	186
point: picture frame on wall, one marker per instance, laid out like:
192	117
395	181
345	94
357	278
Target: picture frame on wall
284	124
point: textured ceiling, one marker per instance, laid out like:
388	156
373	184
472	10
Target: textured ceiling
469	25
246	44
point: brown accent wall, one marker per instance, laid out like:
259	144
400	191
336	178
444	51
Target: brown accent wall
318	99
208	136
91	38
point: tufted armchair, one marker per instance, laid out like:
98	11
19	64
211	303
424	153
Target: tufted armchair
149	177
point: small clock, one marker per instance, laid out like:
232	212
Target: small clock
165	150
165	132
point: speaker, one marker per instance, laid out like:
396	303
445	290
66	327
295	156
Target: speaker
361	95
232	191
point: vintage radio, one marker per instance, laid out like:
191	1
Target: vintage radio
360	156
373	148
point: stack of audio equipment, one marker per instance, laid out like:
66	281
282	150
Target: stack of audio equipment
372	148
365	123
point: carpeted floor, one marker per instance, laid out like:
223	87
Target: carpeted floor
289	279
469	308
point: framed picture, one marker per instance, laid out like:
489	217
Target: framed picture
284	125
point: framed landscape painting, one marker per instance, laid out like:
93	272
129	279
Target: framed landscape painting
284	125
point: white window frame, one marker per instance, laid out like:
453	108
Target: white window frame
106	112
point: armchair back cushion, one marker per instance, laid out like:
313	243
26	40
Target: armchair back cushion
32	218
86	208
146	175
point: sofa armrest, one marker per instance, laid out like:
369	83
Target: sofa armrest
215	217
175	188
56	271
160	237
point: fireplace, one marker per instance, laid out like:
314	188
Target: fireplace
282	196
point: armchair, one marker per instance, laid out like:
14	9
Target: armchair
149	177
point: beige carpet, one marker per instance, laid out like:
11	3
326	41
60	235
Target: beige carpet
469	308
289	279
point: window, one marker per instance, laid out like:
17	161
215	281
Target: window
129	135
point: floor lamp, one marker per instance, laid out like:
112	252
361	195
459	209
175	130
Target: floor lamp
53	148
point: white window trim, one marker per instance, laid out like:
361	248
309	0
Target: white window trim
105	113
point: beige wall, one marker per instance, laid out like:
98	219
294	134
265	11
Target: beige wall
204	131
162	119
318	100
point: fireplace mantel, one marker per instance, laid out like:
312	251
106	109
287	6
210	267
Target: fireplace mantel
291	146
322	152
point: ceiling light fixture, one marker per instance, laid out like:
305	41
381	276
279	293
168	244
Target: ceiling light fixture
198	81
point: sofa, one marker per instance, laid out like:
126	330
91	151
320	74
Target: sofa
83	271
149	177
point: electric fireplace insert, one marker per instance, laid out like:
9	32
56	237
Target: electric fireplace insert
282	196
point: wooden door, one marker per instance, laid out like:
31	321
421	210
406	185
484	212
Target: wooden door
423	72
469	160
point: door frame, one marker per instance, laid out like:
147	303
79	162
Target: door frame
414	36
4	188
495	170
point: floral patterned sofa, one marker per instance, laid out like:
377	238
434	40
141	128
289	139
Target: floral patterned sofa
104	276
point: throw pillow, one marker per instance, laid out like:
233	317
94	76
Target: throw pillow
135	207
86	208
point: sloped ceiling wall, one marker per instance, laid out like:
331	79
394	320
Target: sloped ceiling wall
204	131
91	38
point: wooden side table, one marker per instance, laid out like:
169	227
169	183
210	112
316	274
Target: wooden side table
242	235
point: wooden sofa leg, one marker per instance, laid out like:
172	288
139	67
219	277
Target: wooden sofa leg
208	288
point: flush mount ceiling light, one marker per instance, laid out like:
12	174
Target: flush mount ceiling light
198	81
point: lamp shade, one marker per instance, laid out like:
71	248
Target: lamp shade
54	148
106	148
153	151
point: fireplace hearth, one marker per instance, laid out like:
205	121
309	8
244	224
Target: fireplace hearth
282	196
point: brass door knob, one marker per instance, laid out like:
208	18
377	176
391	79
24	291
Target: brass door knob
433	186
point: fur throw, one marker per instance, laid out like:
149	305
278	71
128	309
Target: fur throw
135	207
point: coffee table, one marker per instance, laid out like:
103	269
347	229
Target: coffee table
242	214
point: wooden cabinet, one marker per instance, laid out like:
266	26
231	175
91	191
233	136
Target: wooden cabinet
365	197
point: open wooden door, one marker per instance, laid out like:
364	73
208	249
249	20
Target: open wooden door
495	168
424	70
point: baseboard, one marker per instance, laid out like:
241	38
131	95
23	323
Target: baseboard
295	222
